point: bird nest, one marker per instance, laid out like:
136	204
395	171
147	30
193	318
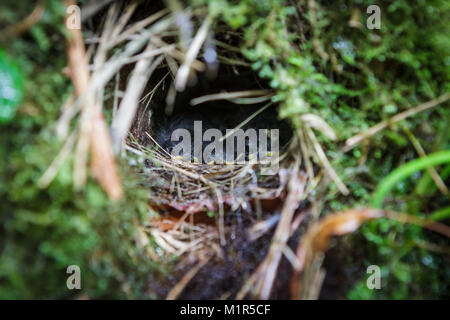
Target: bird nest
148	63
233	231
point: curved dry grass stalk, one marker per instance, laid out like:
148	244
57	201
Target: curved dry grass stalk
314	244
230	96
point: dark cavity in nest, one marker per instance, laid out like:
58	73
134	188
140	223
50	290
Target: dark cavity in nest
220	114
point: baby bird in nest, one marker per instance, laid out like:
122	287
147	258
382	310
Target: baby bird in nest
209	135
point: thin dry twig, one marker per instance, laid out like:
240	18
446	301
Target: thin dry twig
281	236
93	130
247	120
52	171
179	287
221	217
130	102
263	277
24	25
229	95
355	140
92	7
191	54
319	124
431	170
327	165
139	26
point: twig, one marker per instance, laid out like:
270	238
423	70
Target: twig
51	171
140	25
130	102
197	65
272	260
25	24
221	217
191	54
93	130
262	278
68	112
306	156
228	95
327	165
179	287
318	123
243	123
78	69
92	7
353	141
124	19
431	170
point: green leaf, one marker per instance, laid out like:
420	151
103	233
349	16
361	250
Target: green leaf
11	87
